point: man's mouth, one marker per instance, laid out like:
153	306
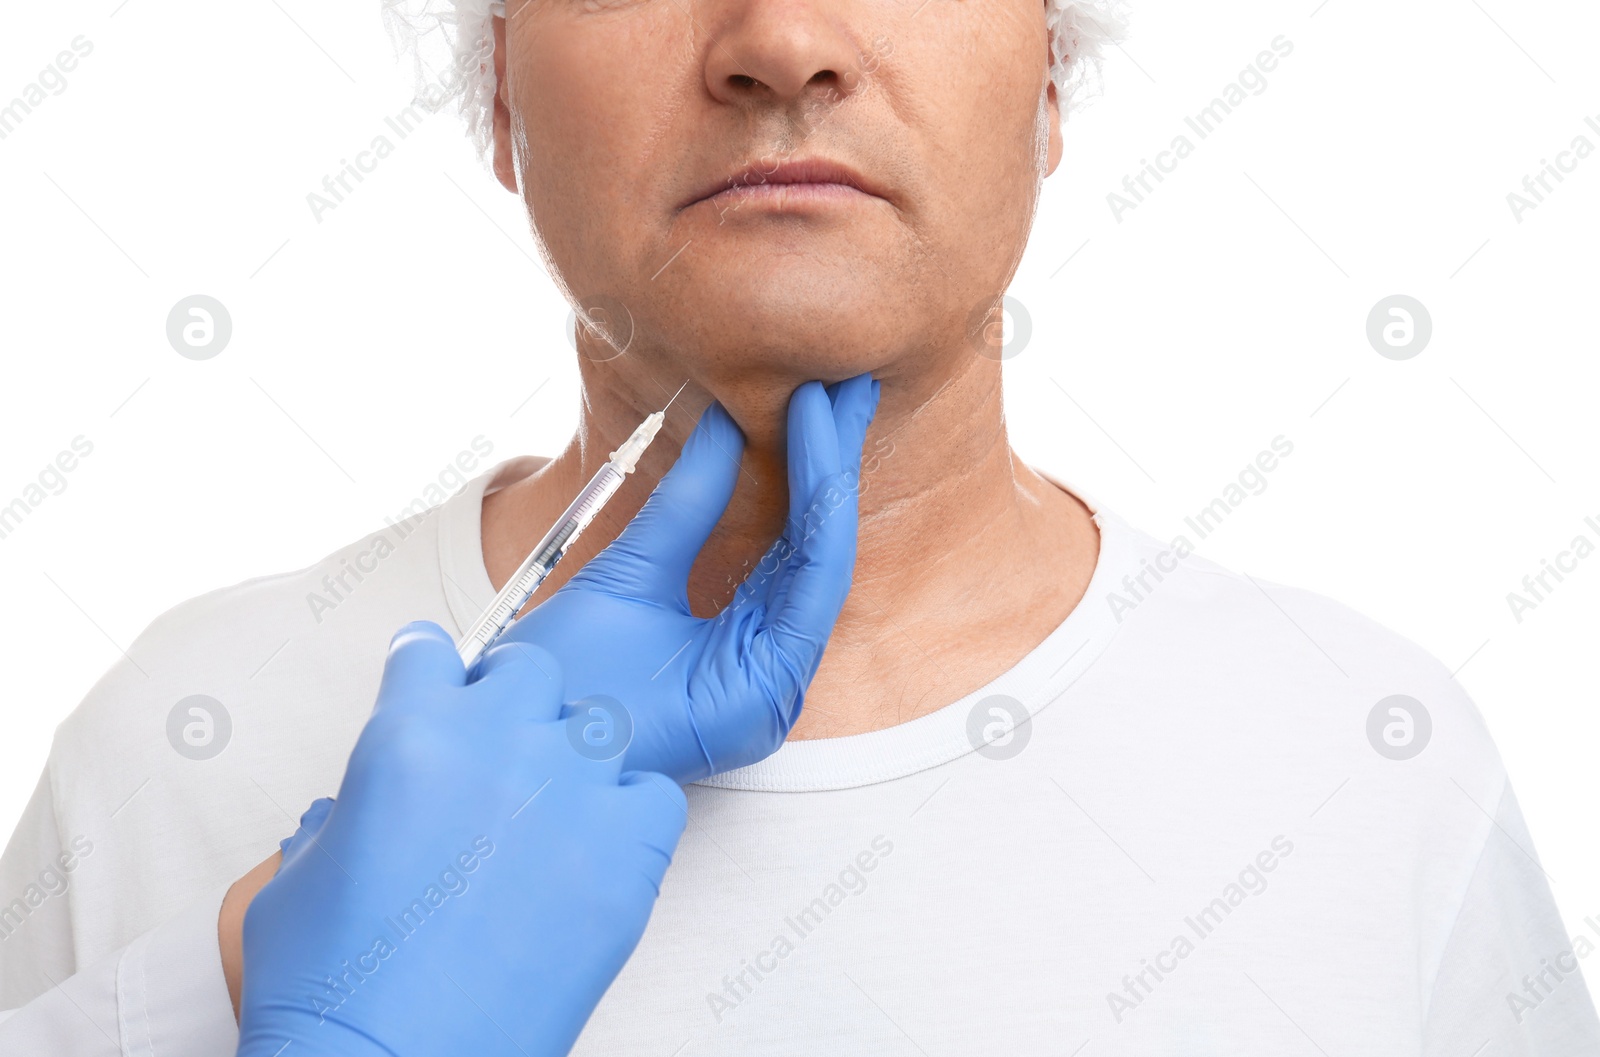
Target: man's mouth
798	182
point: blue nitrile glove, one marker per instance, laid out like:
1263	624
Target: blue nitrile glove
475	887
310	824
707	694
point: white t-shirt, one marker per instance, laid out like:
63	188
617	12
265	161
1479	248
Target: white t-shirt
1226	826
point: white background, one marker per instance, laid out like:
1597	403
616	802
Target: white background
371	347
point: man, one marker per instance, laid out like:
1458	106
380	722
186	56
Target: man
1057	785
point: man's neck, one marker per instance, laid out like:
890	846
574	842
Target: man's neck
966	559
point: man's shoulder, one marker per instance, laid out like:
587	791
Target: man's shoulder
410	561
1278	708
301	601
1172	583
228	714
1255	643
285	631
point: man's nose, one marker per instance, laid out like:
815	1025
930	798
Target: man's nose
766	52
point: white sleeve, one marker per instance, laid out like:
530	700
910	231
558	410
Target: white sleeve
163	995
36	933
1510	983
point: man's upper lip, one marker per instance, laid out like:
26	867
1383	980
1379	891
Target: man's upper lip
799	170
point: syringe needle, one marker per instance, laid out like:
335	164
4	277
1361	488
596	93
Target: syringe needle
675	395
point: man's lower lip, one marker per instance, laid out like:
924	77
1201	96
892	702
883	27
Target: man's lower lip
748	196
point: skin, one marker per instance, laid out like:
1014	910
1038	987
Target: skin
230	923
952	118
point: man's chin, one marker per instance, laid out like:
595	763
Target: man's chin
787	366
798	340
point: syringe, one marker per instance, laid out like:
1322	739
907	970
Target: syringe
526	580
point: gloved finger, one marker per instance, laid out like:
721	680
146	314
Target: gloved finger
311	823
854	402
657	807
526	676
760	585
652	556
670	792
790	646
854	408
599	729
813	451
421	656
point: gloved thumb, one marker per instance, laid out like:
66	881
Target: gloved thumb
311	823
422	656
652	557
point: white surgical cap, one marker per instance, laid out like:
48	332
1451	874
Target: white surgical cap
450	45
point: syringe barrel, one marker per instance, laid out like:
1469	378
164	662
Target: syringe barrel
526	580
596	494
